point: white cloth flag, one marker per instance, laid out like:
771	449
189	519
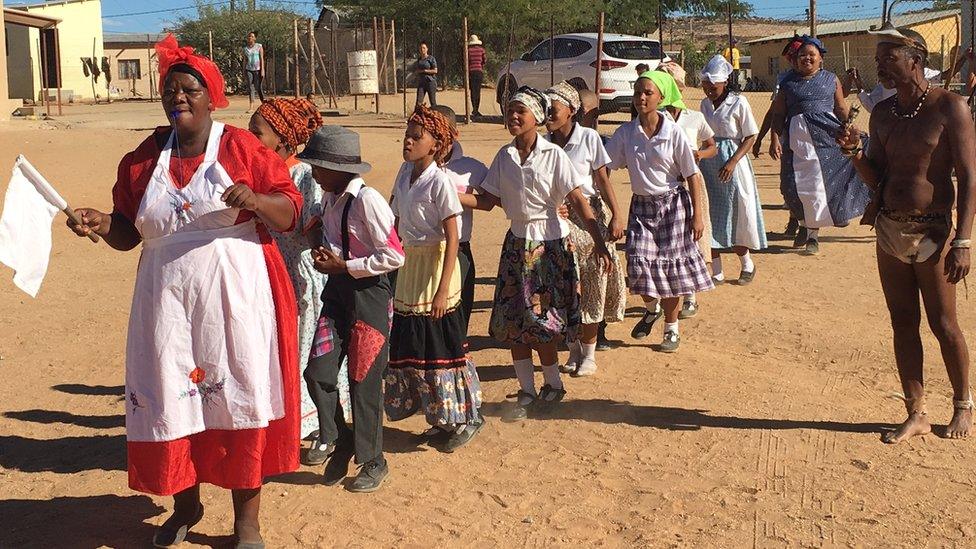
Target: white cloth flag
25	225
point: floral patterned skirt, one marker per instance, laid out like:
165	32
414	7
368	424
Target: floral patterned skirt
537	294
429	366
603	295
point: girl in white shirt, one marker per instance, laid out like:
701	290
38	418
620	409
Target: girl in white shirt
429	367
537	293
663	261
603	294
737	219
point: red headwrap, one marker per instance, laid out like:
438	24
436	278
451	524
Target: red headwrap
169	53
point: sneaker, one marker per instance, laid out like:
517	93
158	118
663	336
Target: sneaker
370	477
688	309
791	227
746	277
464	435
801	238
670	342
317	453
646	323
586	368
813	247
523	403
602	343
337	468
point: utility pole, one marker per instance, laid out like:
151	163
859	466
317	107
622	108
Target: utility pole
729	10
813	18
231	5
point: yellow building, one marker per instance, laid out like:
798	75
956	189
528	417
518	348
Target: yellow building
133	60
941	30
79	35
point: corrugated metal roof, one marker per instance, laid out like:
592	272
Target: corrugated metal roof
858	26
132	37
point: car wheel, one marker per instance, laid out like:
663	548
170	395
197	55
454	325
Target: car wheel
506	88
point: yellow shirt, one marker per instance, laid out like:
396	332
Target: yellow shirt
733	57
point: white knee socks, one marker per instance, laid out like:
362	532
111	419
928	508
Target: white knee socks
717	272
671	327
525	372
746	260
551	374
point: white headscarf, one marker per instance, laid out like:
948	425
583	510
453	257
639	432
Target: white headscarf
718	69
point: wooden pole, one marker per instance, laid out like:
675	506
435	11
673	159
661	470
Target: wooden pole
298	78
43	47
404	40
355	97
599	61
729	10
813	18
311	56
467	72
149	54
383	70
552	50
274	72
328	79
57	63
94	63
376	37
210	43
660	27
396	85
508	72
334	46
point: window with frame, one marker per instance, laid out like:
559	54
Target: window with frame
129	69
567	48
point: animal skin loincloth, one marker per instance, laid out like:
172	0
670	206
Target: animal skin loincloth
912	238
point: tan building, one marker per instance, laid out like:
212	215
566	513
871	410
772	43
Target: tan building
79	24
941	30
132	57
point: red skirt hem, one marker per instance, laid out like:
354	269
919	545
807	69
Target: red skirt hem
233	459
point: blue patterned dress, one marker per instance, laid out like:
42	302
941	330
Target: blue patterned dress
819	185
309	285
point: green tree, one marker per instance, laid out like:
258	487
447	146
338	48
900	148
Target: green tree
230	27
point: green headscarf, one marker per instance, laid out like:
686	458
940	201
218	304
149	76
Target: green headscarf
670	93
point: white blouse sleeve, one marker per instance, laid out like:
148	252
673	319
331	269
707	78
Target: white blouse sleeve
616	148
492	183
445	198
747	120
378	218
600	155
684	157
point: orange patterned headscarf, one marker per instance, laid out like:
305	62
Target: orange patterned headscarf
294	120
437	125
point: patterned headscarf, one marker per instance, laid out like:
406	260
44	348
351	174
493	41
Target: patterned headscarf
804	40
566	94
171	55
534	100
438	126
670	94
294	120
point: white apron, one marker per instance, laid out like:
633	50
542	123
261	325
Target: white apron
202	348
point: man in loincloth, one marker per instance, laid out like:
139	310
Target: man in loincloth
917	138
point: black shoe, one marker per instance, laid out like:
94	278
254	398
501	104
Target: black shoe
548	399
813	247
746	277
370	477
791	227
317	454
337	468
688	309
170	535
646	323
801	238
464	436
602	343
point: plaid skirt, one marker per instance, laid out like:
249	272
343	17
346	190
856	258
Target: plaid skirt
537	293
663	259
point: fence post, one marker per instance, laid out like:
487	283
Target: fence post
298	77
599	64
311	56
393	55
467	73
813	18
210	43
403	37
376	36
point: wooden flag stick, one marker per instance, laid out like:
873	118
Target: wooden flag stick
70	212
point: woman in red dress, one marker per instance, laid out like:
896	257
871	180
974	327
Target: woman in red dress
211	358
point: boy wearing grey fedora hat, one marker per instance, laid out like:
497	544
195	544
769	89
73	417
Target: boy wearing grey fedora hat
360	248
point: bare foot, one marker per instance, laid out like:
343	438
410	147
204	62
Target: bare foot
962	421
917	424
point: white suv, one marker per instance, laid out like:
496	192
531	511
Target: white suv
575	61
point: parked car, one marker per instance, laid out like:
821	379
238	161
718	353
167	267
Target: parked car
575	61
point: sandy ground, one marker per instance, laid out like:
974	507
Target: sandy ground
763	431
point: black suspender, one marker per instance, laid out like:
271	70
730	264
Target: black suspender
345	226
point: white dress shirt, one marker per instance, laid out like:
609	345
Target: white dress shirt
695	126
532	192
374	247
655	164
423	205
466	174
732	119
587	153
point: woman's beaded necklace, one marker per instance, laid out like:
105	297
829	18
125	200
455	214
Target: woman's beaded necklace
918	106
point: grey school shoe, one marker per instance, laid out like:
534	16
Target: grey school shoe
646	323
670	342
813	247
688	309
371	476
464	436
520	411
317	453
746	277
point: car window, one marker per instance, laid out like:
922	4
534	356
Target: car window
541	52
567	48
633	49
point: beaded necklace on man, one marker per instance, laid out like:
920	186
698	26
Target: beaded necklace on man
918	106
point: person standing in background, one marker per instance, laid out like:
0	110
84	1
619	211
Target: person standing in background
477	57
733	56
253	68
426	71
